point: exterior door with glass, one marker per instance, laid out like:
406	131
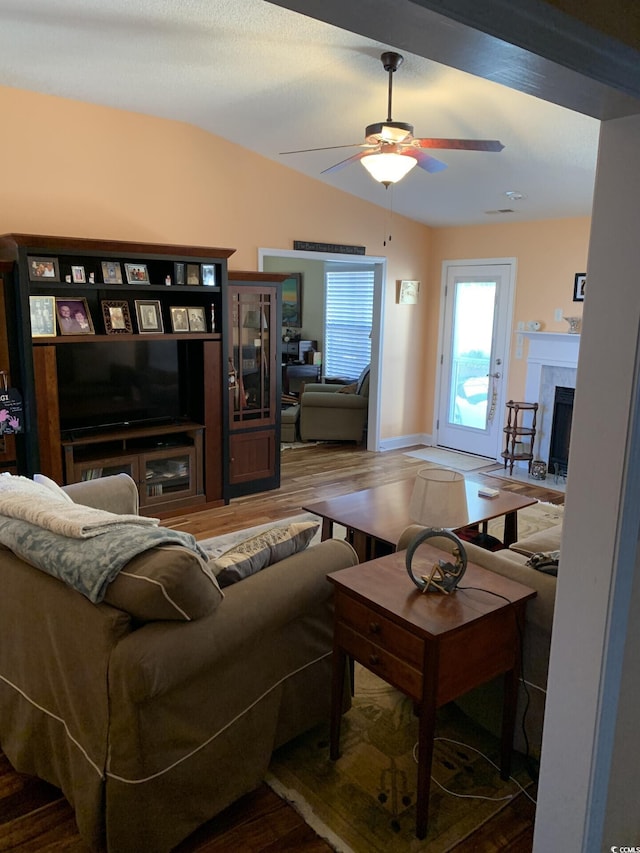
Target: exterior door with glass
478	308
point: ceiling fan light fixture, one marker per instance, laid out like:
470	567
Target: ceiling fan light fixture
388	167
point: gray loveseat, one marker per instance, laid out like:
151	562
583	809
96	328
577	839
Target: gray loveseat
485	703
151	726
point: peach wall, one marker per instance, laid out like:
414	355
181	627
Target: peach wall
83	170
548	254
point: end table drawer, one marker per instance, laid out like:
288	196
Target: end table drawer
379	661
381	631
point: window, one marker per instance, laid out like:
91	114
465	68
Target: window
348	319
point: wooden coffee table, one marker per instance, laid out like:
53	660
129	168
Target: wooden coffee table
431	647
378	516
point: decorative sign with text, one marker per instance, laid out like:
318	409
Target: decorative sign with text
11	412
336	248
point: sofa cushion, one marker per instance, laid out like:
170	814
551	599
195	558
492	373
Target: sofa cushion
168	582
265	548
544	540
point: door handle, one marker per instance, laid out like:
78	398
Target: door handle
495	375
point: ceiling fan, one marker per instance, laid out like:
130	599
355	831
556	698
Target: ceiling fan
390	148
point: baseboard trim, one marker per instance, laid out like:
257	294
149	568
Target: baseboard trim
402	441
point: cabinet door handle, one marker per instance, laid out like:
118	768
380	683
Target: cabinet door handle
374	628
374	660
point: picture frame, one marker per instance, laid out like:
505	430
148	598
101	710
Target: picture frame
579	284
179	318
111	272
78	275
197	319
208	275
43	269
137	273
116	316
408	292
73	315
149	316
178	273
42	310
193	273
292	301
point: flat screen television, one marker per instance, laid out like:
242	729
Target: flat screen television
106	386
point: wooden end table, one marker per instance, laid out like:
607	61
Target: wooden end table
431	647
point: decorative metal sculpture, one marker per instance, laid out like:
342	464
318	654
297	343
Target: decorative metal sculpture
444	576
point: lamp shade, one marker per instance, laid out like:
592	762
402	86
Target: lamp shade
388	167
439	498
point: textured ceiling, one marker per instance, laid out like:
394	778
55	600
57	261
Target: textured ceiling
272	80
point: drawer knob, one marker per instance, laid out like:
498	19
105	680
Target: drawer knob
374	628
374	660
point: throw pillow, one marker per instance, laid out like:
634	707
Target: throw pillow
545	561
348	389
52	486
248	557
166	582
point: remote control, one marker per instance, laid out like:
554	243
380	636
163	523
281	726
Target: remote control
486	492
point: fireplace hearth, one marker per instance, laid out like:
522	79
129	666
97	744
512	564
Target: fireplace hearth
561	431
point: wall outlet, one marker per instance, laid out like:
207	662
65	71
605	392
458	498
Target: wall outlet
557	315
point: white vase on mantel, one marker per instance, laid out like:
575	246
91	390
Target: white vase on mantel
574	324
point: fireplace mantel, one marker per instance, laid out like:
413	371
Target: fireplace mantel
558	349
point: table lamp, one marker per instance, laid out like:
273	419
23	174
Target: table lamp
439	501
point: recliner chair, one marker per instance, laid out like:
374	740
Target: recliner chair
333	413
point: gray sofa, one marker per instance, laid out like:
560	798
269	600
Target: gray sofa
485	703
151	724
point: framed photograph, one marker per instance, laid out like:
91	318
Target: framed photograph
209	275
43	268
178	273
408	292
579	283
117	319
197	320
179	319
149	316
43	316
292	301
78	275
73	316
136	273
111	272
193	273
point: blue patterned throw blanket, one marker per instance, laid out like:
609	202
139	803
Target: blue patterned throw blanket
88	561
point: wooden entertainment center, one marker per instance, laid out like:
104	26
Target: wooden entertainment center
124	355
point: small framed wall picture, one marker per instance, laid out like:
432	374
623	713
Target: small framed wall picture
149	316
78	275
43	316
209	275
193	273
197	320
117	319
73	316
579	283
137	273
408	292
179	319
46	269
111	272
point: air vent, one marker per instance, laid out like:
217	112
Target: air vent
502	210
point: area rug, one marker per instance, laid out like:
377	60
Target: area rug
365	801
450	458
531	519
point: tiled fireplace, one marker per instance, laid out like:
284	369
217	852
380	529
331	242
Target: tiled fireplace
552	361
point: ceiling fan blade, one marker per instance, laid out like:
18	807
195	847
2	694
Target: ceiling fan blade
426	161
326	148
353	159
460	144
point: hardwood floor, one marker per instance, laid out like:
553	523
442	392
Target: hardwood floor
34	817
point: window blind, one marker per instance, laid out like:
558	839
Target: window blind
348	320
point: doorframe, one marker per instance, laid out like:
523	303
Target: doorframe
512	263
380	265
